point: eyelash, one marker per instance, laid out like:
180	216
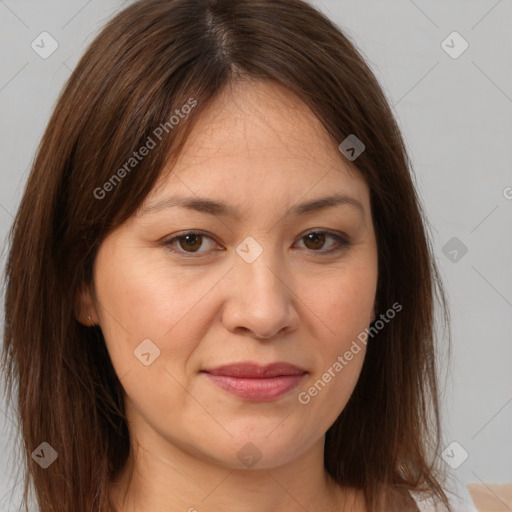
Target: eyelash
342	242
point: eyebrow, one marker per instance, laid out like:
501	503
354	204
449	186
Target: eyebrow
221	209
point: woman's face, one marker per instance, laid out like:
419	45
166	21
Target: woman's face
267	280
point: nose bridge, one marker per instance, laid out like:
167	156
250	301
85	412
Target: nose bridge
258	267
259	301
261	277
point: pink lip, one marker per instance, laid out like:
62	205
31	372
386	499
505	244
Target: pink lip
254	382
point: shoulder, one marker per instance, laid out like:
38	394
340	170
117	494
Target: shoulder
396	499
404	500
458	497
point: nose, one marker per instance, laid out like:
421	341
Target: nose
260	300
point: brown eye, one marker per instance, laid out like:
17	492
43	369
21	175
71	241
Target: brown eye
192	241
314	241
190	244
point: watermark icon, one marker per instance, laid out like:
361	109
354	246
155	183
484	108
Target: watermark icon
248	455
304	397
138	156
249	250
146	352
352	147
45	455
44	45
454	455
507	193
454	45
454	249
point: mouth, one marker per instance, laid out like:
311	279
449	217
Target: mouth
255	382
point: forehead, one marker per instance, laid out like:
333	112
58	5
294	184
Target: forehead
258	142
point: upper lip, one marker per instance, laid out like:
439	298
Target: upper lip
255	370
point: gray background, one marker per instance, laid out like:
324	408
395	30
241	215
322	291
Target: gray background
456	117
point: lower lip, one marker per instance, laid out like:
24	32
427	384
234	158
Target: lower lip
257	389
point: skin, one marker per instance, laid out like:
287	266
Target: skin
260	150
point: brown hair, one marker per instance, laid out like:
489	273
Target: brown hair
148	61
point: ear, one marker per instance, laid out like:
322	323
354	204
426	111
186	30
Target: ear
85	310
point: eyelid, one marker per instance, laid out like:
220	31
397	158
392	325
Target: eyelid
168	242
341	238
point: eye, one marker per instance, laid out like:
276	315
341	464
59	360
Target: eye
188	242
315	241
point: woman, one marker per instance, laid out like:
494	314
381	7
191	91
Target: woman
220	289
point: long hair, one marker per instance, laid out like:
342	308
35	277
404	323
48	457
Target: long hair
149	61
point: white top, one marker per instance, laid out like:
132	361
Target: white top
458	496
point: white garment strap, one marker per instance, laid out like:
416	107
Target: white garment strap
458	496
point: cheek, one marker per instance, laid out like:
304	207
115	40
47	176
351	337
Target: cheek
140	296
143	293
343	301
342	304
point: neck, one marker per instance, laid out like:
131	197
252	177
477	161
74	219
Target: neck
168	478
